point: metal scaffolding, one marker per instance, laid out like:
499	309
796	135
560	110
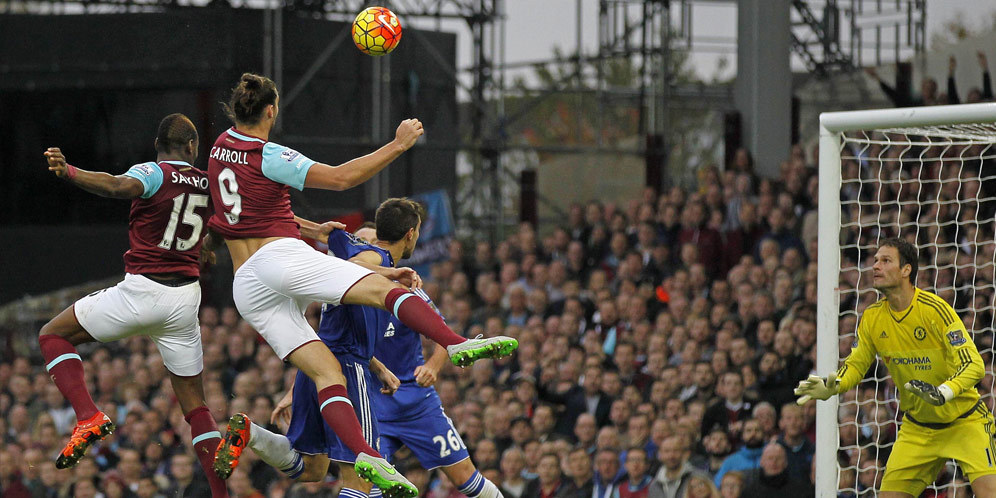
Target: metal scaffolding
647	33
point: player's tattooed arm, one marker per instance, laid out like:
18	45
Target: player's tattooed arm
318	231
102	184
427	374
388	380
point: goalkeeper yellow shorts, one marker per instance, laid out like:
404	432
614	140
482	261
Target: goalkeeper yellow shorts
920	452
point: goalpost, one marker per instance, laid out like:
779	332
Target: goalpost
927	174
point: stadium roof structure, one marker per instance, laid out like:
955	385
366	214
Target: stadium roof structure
828	37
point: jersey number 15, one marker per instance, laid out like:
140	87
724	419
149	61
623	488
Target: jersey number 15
189	217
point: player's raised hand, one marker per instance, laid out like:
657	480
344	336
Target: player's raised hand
57	162
408	132
928	392
425	375
816	387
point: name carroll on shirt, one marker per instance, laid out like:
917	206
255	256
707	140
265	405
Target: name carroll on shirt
229	156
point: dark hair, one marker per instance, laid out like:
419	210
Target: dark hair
249	97
908	254
395	217
175	132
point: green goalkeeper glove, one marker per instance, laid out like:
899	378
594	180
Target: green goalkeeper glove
816	387
934	395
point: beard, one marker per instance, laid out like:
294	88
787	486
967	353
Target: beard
721	453
754	443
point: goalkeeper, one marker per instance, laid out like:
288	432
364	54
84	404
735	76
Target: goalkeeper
927	350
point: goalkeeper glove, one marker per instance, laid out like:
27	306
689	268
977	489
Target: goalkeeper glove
816	387
935	395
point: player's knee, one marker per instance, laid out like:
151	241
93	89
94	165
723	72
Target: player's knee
369	291
51	328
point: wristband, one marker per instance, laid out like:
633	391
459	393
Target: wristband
946	391
70	171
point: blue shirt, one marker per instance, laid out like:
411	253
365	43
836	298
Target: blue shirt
366	332
350	329
744	459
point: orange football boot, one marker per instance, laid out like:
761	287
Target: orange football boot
85	433
226	458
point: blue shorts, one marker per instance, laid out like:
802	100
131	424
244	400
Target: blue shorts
308	432
431	437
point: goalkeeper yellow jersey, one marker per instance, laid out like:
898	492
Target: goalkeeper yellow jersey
926	341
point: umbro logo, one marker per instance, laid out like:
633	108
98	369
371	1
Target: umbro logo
884	335
390	330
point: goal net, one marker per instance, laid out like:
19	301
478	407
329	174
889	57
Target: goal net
927	175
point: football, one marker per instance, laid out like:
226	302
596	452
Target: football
376	31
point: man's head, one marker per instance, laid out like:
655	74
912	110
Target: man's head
753	434
512	462
585	428
399	220
548	469
607	464
182	467
254	101
579	464
895	263
368	232
638	429
543	420
703	375
717	443
636	463
773	460
792	422
733	386
673	452
486	453
177	136
624	356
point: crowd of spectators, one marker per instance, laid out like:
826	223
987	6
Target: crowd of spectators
659	343
901	97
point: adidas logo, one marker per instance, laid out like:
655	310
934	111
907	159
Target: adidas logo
390	330
884	335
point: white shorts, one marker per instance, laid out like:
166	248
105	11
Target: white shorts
274	287
140	306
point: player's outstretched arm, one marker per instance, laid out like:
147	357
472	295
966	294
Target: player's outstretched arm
102	184
318	231
361	169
